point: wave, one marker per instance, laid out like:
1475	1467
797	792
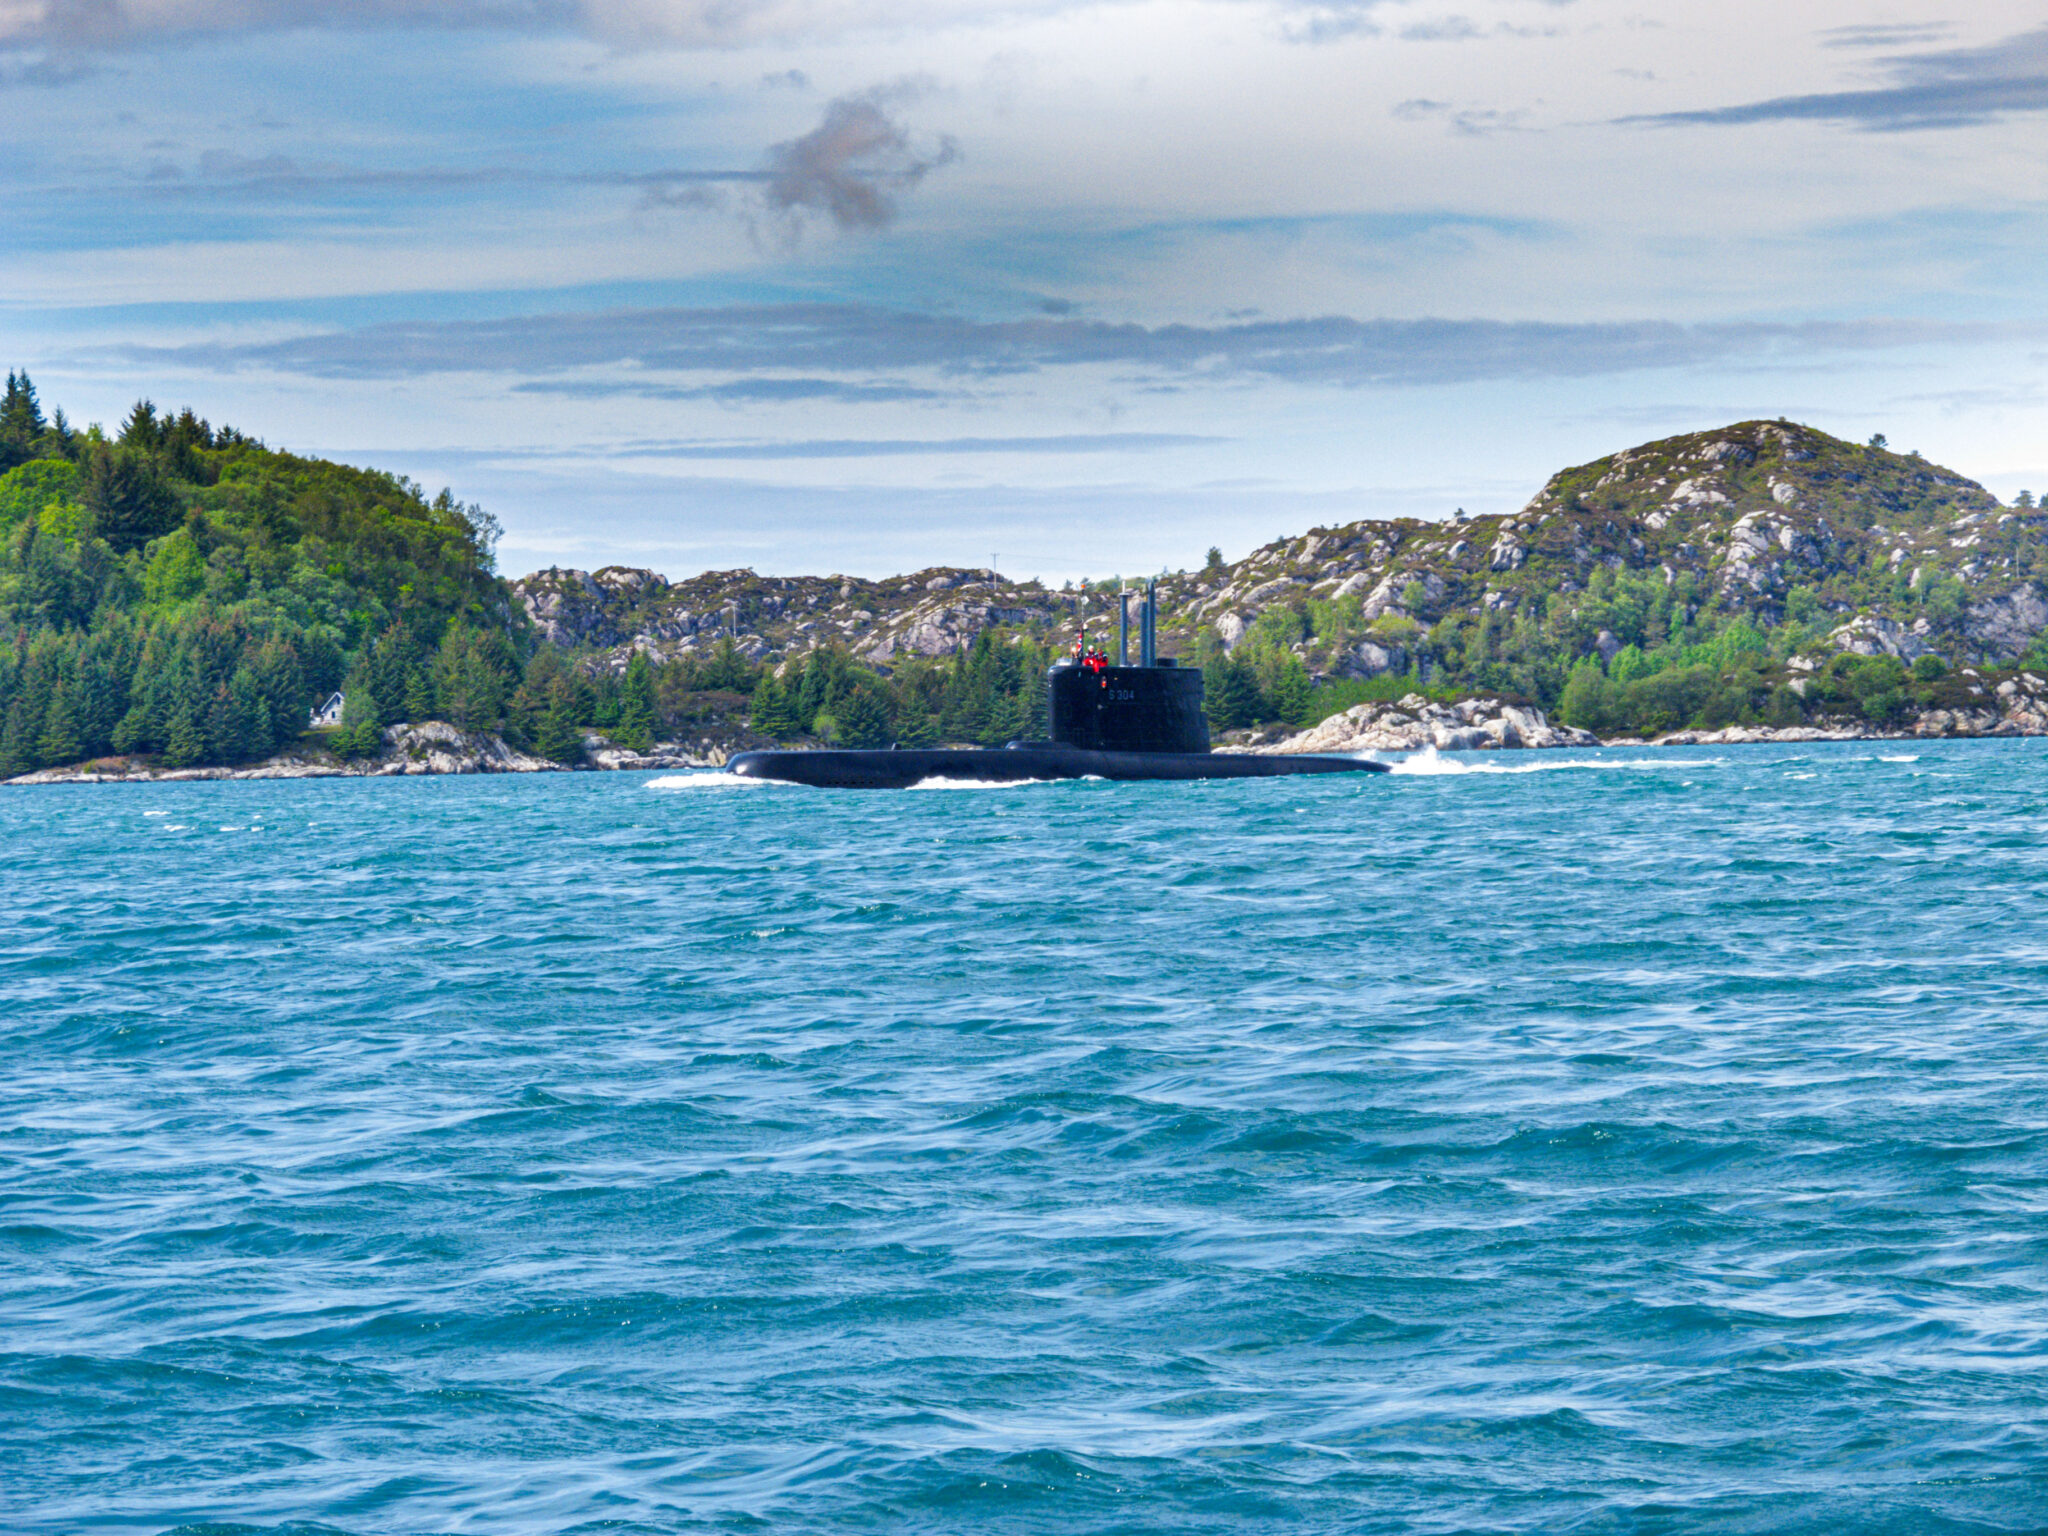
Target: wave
1429	763
940	781
710	778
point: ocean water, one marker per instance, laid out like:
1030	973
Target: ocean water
1600	1142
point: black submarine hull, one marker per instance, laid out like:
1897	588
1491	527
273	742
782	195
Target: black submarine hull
900	768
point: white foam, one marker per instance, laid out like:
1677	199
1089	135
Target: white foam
1912	757
940	781
709	779
1428	763
156	813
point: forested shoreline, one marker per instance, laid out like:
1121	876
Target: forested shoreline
177	594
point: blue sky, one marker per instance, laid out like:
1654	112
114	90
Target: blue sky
865	285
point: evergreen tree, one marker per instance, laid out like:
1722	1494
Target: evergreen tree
419	695
916	725
18	740
769	712
362	722
558	737
129	500
1292	695
637	705
132	734
60	743
248	717
21	422
184	743
865	718
1232	694
141	429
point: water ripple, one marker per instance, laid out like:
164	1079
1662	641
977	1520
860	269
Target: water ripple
1602	1143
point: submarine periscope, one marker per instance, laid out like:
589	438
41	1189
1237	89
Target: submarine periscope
1121	722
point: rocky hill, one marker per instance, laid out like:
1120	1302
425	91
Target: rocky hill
1769	522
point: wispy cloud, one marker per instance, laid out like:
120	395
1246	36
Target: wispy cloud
117	25
1887	35
823	340
881	448
1951	89
737	391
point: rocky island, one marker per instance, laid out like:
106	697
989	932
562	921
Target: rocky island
181	597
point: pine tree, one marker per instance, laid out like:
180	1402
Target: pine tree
129	500
1292	693
132	734
637	705
21	422
558	735
17	740
419	696
769	709
1232	693
60	743
249	716
865	718
916	726
184	743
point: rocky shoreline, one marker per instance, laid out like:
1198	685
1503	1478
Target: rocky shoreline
1415	723
1410	724
431	747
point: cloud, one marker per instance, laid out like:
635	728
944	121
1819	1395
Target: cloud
738	391
1471	121
117	25
114	25
42	68
1886	35
858	342
851	165
877	448
1330	21
1950	89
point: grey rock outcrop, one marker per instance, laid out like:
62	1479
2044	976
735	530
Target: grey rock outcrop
1415	723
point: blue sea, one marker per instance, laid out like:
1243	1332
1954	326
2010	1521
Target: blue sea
1619	1141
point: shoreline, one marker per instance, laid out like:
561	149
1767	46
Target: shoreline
434	749
431	748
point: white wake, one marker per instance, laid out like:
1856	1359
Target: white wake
1429	763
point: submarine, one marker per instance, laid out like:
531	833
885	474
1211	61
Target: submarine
1104	721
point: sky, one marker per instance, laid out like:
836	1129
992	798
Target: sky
1082	289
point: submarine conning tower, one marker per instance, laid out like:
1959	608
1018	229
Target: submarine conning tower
1155	706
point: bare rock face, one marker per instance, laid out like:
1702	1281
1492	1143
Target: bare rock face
1369	658
2008	624
1416	722
434	746
571	607
1869	636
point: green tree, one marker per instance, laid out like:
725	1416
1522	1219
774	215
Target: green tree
1291	696
1232	694
1584	703
127	496
21	422
185	742
637	705
865	718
